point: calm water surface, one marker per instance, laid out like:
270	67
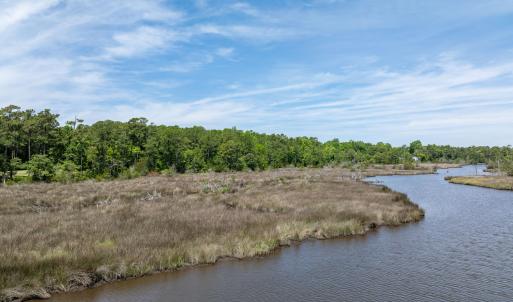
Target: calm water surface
461	251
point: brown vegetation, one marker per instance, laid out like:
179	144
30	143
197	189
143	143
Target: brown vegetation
420	168
56	237
493	182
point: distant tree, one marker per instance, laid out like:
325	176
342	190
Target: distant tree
110	148
507	165
415	146
4	168
11	129
137	131
194	160
46	124
67	171
41	167
29	129
230	156
14	164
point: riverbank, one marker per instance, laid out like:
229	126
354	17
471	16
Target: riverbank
493	182
420	168
58	238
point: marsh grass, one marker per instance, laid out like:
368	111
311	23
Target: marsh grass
64	237
493	182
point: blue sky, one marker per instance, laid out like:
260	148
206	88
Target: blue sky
393	71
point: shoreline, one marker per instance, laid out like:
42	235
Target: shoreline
275	249
84	280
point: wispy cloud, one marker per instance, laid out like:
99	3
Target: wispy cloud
140	41
246	8
225	52
256	33
45	58
52	46
16	12
419	103
194	62
369	70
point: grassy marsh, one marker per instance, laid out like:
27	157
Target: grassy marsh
56	237
493	182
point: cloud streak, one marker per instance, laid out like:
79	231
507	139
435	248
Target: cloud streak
140	41
354	70
19	11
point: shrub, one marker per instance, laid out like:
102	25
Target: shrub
40	167
67	171
230	157
508	167
194	161
250	161
408	165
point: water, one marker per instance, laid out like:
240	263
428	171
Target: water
461	251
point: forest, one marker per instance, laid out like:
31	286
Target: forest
34	146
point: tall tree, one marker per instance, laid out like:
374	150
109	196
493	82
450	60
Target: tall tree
29	128
46	123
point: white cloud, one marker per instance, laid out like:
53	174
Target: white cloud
318	81
225	52
246	8
47	47
222	114
11	15
196	61
108	59
140	41
189	65
255	33
417	103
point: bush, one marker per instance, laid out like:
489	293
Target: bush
67	171
250	161
508	167
40	167
15	164
230	157
194	161
140	168
408	165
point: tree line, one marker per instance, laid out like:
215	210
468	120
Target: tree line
35	142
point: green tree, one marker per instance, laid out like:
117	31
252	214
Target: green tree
46	123
67	171
415	146
11	130
109	148
4	167
41	167
194	160
230	156
14	164
29	128
137	135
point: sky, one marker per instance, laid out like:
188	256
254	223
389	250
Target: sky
393	71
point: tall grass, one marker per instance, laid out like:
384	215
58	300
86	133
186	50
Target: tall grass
63	237
494	182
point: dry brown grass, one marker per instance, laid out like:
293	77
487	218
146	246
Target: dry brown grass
420	168
494	182
56	237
